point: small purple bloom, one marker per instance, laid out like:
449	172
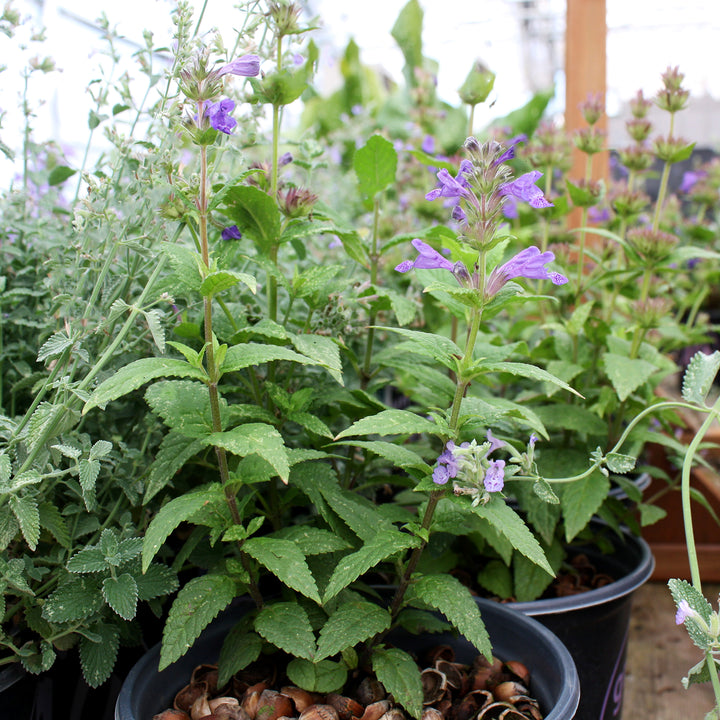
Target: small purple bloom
336	242
428	259
528	263
598	215
510	208
428	144
458	214
246	65
452	187
509	154
494	442
495	476
684	611
533	440
690	179
285	159
218	115
231	233
525	189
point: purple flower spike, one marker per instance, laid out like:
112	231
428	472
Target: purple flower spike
428	259
495	476
218	115
528	263
231	233
452	187
525	189
246	66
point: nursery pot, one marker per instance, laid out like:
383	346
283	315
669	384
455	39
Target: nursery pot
594	625
554	682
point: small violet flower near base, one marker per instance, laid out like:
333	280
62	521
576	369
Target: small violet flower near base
684	612
231	233
218	115
495	476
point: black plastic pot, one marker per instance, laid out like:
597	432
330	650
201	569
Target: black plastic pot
515	636
594	625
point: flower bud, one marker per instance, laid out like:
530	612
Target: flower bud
593	108
639	105
284	16
589	140
296	202
671	149
629	204
638	129
636	158
649	313
652	246
478	84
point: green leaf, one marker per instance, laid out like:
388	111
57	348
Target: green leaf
158	580
383	545
448	595
400	676
174	451
508	523
325	676
52	521
196	605
80	598
88	471
240	648
136	374
171	515
619	463
438	348
627	374
352	623
27	513
97	657
375	165
221	280
497	579
258	439
311	540
699	376
121	595
524	370
248	354
390	422
286	561
88	560
59	174
184	406
407	32
255	213
398	455
530	580
323	350
580	500
54	346
287	626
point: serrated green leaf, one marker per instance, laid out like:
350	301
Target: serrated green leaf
580	500
312	540
508	523
121	595
375	165
383	545
530	581
398	455
240	648
323	350
524	370
196	605
544	491
136	374
174	451
287	626
221	280
627	374
325	676
184	406
497	578
88	560
255	439
5	468
400	676
248	354
699	376
255	213
439	348
448	595
37	658
171	515
286	561
352	623
27	513
59	174
54	346
80	598
154	321
97	659
88	471
156	581
52	521
390	422
619	463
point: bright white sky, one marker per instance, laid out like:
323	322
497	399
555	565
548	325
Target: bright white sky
640	46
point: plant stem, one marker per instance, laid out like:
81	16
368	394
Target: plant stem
373	280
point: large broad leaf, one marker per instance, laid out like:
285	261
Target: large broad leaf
390	422
287	626
627	374
285	560
74	600
195	606
258	439
121	595
350	624
136	374
508	523
530	372
324	676
255	213
440	349
400	676
323	350
25	509
385	544
97	657
174	451
448	595
220	280
398	455
248	354
375	165
407	32
580	500
239	649
184	406
171	515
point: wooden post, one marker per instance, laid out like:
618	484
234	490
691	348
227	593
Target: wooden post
585	72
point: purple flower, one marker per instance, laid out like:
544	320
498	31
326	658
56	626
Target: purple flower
440	475
690	179
285	159
510	208
528	263
231	233
495	476
684	611
598	215
509	154
336	242
429	259
428	144
494	442
458	214
525	189
218	115
452	187
245	65
447	465
533	440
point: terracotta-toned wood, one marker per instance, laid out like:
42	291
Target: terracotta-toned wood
585	72
659	656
